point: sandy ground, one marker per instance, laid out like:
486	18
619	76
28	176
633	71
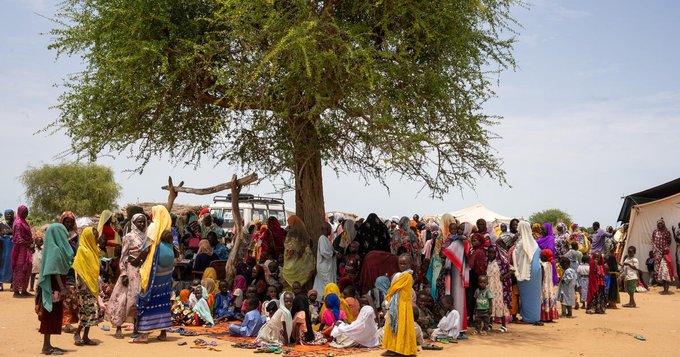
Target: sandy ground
657	319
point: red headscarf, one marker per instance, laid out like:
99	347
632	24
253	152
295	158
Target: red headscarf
548	254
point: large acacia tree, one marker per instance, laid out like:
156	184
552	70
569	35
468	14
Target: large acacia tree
284	87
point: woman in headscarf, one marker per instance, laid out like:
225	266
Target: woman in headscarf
259	282
547	241
373	234
6	247
86	266
106	228
405	240
264	243
377	295
22	238
561	241
131	212
326	264
153	302
331	313
456	248
121	307
298	263
527	260
302	330
68	219
238	292
577	236
434	254
204	256
361	332
332	288
207	226
343	240
536	230
663	266
278	235
482	233
54	265
276	332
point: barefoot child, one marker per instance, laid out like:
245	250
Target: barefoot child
493	274
630	272
400	332
566	293
548	308
583	272
86	266
483	305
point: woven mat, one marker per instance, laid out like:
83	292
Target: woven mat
221	332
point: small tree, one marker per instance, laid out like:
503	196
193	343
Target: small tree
552	216
84	189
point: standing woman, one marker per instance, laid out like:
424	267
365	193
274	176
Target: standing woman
663	267
278	235
56	261
456	248
68	219
86	266
22	238
154	307
326	263
106	229
121	307
373	235
6	249
527	260
298	263
547	241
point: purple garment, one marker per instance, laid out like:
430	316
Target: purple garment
548	242
599	239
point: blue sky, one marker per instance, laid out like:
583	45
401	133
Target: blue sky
590	114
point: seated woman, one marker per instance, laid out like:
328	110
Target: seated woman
276	332
331	314
204	257
302	332
361	332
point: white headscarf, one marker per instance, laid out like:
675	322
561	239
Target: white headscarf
287	317
523	255
362	331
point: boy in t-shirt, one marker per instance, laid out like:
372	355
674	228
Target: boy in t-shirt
483	305
252	321
630	273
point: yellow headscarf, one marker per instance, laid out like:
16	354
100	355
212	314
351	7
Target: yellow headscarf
103	218
332	288
161	222
86	262
210	273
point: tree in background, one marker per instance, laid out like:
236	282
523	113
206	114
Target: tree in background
286	87
84	189
553	216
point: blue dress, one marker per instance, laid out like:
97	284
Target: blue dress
530	292
5	259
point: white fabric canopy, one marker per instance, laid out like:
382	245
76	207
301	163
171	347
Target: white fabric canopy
642	223
473	213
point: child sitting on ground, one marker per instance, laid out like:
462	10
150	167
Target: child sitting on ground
314	306
630	273
349	295
199	305
483	306
331	314
252	321
449	326
272	297
222	308
272	272
251	292
566	293
583	272
425	317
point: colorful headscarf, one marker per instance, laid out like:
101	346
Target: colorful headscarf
57	255
184	295
69	214
333	304
239	283
548	254
161	223
382	283
86	262
21	230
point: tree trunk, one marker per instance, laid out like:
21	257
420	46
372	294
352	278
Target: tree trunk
230	268
309	202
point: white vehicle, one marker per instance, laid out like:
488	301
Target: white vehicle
251	208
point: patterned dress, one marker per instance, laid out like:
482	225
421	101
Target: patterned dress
88	308
493	272
548	303
121	307
661	241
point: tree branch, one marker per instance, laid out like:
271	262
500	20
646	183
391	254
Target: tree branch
243	181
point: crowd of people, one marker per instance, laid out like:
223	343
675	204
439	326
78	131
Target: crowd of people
398	283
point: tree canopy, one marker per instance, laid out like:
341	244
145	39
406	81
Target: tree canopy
284	87
84	189
552	216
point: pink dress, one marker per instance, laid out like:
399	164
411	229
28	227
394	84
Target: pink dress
122	304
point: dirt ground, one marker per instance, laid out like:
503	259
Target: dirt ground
657	319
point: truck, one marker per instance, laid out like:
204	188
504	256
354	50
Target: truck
251	208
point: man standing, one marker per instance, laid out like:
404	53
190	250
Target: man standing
599	238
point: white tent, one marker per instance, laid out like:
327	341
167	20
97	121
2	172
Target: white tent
643	218
473	213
